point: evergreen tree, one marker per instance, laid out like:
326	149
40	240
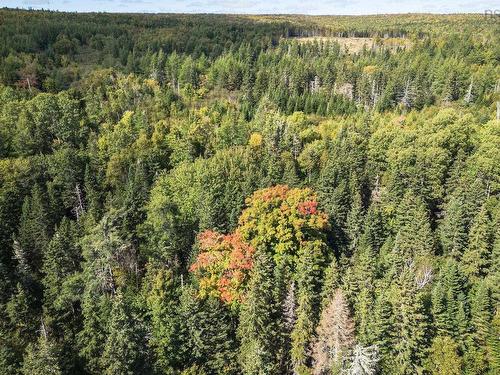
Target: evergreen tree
61	280
309	287
363	360
41	358
124	352
443	357
384	331
414	239
260	330
163	303
60	260
34	229
209	326
477	258
454	228
410	324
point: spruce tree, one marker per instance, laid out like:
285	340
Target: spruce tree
481	312
454	228
41	358
206	334
410	324
383	330
260	330
443	357
124	352
477	258
309	273
60	260
163	303
61	281
414	239
34	231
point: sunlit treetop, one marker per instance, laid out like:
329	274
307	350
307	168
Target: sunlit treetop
280	219
222	266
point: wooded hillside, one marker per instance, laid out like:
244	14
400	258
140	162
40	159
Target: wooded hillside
223	194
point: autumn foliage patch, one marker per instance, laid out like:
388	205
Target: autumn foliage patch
278	220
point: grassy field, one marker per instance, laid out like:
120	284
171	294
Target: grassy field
355	45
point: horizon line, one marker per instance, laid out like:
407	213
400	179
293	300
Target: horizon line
31	9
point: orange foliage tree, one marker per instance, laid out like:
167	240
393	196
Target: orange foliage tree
278	220
281	220
222	265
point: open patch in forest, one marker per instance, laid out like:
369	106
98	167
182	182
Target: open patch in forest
356	44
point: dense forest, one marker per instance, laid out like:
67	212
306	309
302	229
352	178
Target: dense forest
223	194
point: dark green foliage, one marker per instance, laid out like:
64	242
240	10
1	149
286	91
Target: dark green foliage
260	330
41	358
124	137
210	335
124	349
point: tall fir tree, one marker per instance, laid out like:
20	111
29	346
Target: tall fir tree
260	330
309	274
41	358
476	259
124	350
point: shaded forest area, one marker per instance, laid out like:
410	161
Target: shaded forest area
222	194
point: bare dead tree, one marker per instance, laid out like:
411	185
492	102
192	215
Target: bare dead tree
314	85
408	96
376	191
335	334
21	257
374	92
468	96
79	208
43	330
424	276
363	360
